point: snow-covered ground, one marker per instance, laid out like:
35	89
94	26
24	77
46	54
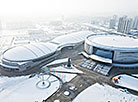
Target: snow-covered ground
65	77
127	81
62	68
58	61
23	89
66	69
104	93
135	75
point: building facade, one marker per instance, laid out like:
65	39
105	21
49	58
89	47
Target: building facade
23	57
114	49
124	25
135	23
112	23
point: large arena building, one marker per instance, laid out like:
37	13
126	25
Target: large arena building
120	51
27	56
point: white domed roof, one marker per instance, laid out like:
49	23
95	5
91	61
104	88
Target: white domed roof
114	41
29	51
37	50
72	38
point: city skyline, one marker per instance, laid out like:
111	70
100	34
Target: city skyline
68	51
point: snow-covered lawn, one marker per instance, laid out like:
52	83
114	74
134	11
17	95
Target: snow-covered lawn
58	61
62	68
23	89
65	69
66	77
127	81
104	93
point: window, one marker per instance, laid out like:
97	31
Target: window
126	57
103	53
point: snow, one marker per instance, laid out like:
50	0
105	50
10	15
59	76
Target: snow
135	75
101	59
84	54
58	61
128	82
72	38
23	89
104	93
66	77
59	71
66	93
36	50
72	88
56	101
29	51
66	69
114	41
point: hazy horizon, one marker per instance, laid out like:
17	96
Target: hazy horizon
67	7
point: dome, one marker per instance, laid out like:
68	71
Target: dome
114	41
29	51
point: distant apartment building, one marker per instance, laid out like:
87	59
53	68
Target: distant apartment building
124	25
112	22
135	23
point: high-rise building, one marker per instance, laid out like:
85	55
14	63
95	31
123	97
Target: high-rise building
120	24
135	23
128	26
124	25
112	22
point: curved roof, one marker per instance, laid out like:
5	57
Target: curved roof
36	50
114	41
29	51
72	38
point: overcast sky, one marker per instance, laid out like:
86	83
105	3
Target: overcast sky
50	7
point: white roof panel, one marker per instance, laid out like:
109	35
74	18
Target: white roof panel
42	47
52	47
72	38
19	53
29	51
34	49
116	41
37	50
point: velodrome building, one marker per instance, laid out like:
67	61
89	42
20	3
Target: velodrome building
27	56
114	50
120	51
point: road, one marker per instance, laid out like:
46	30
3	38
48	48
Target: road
80	82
